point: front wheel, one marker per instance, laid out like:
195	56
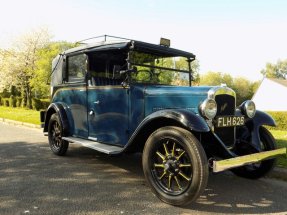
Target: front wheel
258	170
175	165
55	133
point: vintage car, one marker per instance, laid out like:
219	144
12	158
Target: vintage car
125	96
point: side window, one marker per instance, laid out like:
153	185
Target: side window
77	66
101	67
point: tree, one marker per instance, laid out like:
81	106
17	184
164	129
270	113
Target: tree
20	62
43	70
278	70
195	71
216	78
27	64
244	88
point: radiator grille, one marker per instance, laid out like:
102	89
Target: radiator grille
225	107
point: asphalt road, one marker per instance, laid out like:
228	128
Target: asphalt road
34	181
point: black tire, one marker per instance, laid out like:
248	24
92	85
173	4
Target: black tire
260	169
175	165
55	133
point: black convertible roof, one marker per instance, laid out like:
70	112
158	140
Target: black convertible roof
122	43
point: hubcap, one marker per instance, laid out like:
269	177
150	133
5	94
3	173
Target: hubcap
172	168
56	135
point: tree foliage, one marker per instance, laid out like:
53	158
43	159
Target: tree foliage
243	87
45	55
277	70
216	78
27	64
19	62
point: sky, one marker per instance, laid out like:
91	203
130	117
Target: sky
230	36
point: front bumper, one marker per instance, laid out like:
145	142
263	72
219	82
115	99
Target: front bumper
223	165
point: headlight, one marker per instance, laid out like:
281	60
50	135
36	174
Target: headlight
248	108
208	108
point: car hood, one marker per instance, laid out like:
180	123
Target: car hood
173	97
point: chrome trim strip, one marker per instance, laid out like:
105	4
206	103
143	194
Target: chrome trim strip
223	165
105	87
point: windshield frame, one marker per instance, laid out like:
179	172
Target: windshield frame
132	64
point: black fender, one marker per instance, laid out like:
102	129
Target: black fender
179	117
261	118
61	109
188	119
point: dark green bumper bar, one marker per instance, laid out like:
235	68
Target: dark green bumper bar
223	165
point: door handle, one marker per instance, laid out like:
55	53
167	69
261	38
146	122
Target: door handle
97	102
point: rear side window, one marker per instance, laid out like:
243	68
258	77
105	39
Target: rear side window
77	66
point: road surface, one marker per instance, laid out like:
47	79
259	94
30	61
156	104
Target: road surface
34	181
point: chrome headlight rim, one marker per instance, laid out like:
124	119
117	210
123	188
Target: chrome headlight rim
205	108
248	108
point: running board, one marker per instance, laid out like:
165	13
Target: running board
105	148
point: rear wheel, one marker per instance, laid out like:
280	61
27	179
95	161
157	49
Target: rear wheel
55	133
258	170
175	165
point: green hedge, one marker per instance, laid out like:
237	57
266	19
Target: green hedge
45	103
12	101
18	102
6	102
37	104
280	119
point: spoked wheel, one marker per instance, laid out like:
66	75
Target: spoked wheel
175	165
258	170
172	167
55	130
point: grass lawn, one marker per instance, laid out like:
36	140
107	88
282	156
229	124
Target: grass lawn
281	140
20	114
32	116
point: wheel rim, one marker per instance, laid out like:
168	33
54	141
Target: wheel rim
171	167
56	135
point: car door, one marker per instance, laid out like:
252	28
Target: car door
74	94
107	100
108	114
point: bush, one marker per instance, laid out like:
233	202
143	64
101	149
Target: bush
29	103
6	102
12	101
0	100
280	119
36	104
5	94
45	103
18	101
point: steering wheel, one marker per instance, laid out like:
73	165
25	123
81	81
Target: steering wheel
144	71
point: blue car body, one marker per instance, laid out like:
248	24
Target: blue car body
118	111
118	93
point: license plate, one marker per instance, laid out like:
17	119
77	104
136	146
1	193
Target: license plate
229	121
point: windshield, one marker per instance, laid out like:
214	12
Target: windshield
156	69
